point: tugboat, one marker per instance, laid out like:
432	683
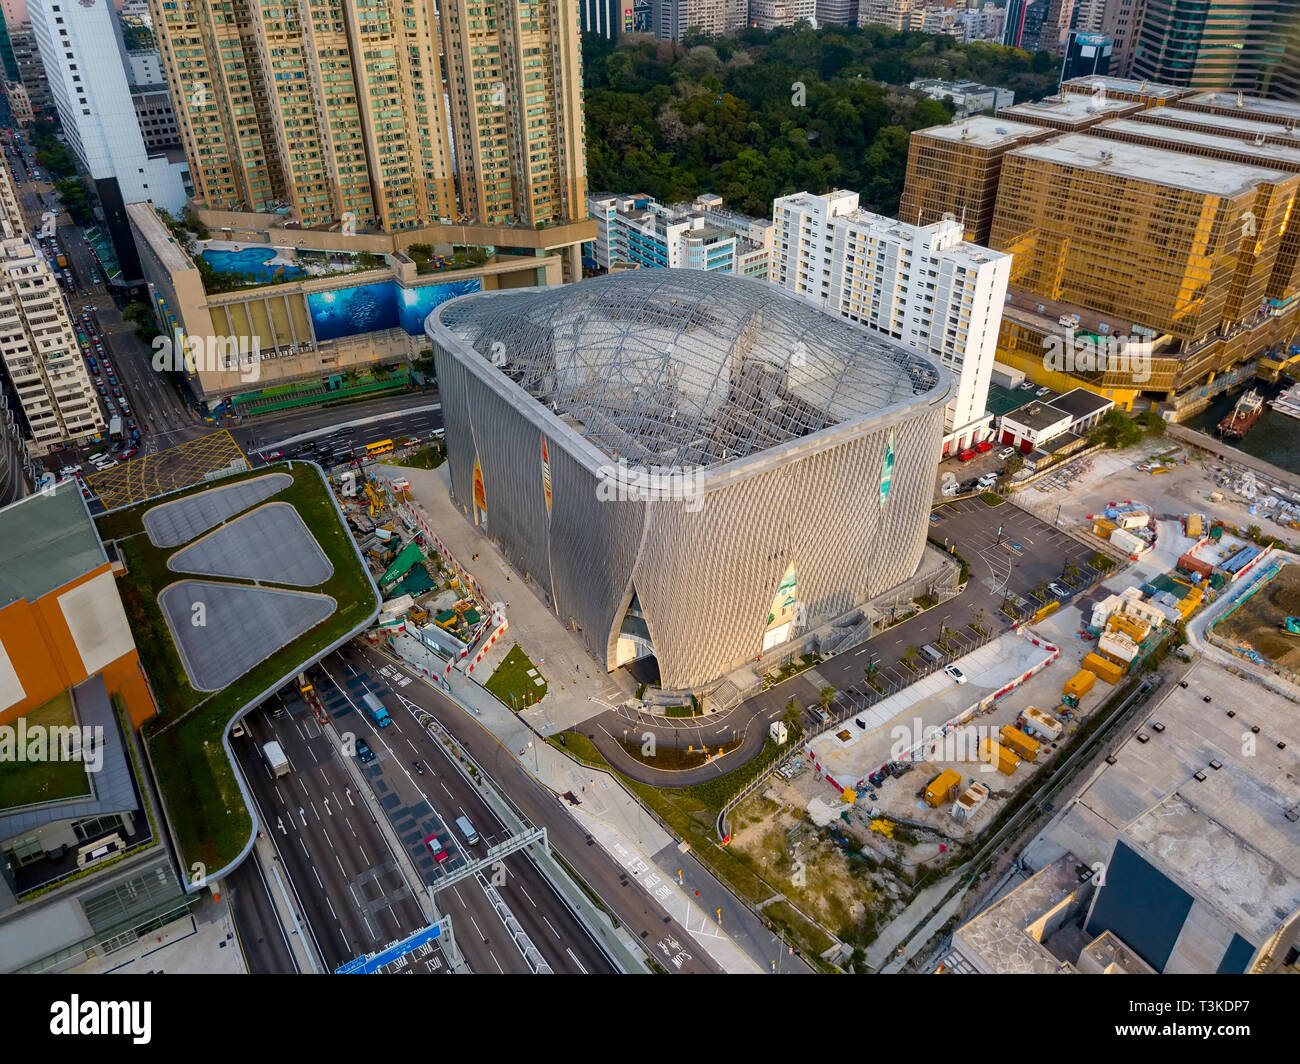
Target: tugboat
1247	411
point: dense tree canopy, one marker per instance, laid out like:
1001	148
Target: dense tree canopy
765	114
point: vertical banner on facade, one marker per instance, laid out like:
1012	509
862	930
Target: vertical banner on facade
480	494
546	476
887	470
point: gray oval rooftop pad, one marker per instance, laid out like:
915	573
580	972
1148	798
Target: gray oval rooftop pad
173	523
271	543
237	628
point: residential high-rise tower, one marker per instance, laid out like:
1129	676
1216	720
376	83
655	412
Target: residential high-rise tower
380	116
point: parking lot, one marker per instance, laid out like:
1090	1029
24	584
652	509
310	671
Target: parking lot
1010	551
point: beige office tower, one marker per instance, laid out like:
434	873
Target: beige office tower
1182	249
37	342
335	110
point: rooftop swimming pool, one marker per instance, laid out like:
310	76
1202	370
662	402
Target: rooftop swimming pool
253	261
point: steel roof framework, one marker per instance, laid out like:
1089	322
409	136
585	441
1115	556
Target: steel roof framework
678	369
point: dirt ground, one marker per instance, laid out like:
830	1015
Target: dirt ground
1257	622
1187	488
851	895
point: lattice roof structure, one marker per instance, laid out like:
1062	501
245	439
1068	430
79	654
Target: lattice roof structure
677	369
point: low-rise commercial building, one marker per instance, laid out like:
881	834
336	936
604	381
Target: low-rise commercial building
637	230
315	306
83	865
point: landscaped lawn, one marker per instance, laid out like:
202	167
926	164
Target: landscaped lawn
197	781
691	812
430	457
25	782
511	682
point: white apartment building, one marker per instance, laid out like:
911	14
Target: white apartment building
38	344
777	14
86	62
923	285
896	14
702	235
968	97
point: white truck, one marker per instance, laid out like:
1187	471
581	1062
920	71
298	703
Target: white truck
275	757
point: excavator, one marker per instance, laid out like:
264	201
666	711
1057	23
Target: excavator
1291	626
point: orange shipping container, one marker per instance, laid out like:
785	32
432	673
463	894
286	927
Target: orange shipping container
1081	682
1104	668
943	787
992	753
1019	743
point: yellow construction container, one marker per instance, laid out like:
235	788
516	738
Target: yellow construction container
992	753
1019	743
1194	526
1102	528
1135	629
943	788
1081	682
1105	669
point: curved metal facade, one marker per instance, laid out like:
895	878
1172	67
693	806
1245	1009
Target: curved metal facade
704	559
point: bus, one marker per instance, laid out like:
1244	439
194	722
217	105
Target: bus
378	447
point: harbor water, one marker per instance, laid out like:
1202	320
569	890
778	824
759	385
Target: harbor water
1274	437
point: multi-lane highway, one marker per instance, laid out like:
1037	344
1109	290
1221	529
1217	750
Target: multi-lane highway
644	917
351	892
351	882
262	937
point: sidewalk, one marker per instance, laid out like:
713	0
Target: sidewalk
201	943
577	686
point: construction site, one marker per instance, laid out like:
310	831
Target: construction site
433	613
1266	622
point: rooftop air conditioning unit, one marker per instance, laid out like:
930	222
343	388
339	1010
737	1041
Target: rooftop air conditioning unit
1199	776
1103	328
1157	727
1216	764
1143	737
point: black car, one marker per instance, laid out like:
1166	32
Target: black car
419	768
364	753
